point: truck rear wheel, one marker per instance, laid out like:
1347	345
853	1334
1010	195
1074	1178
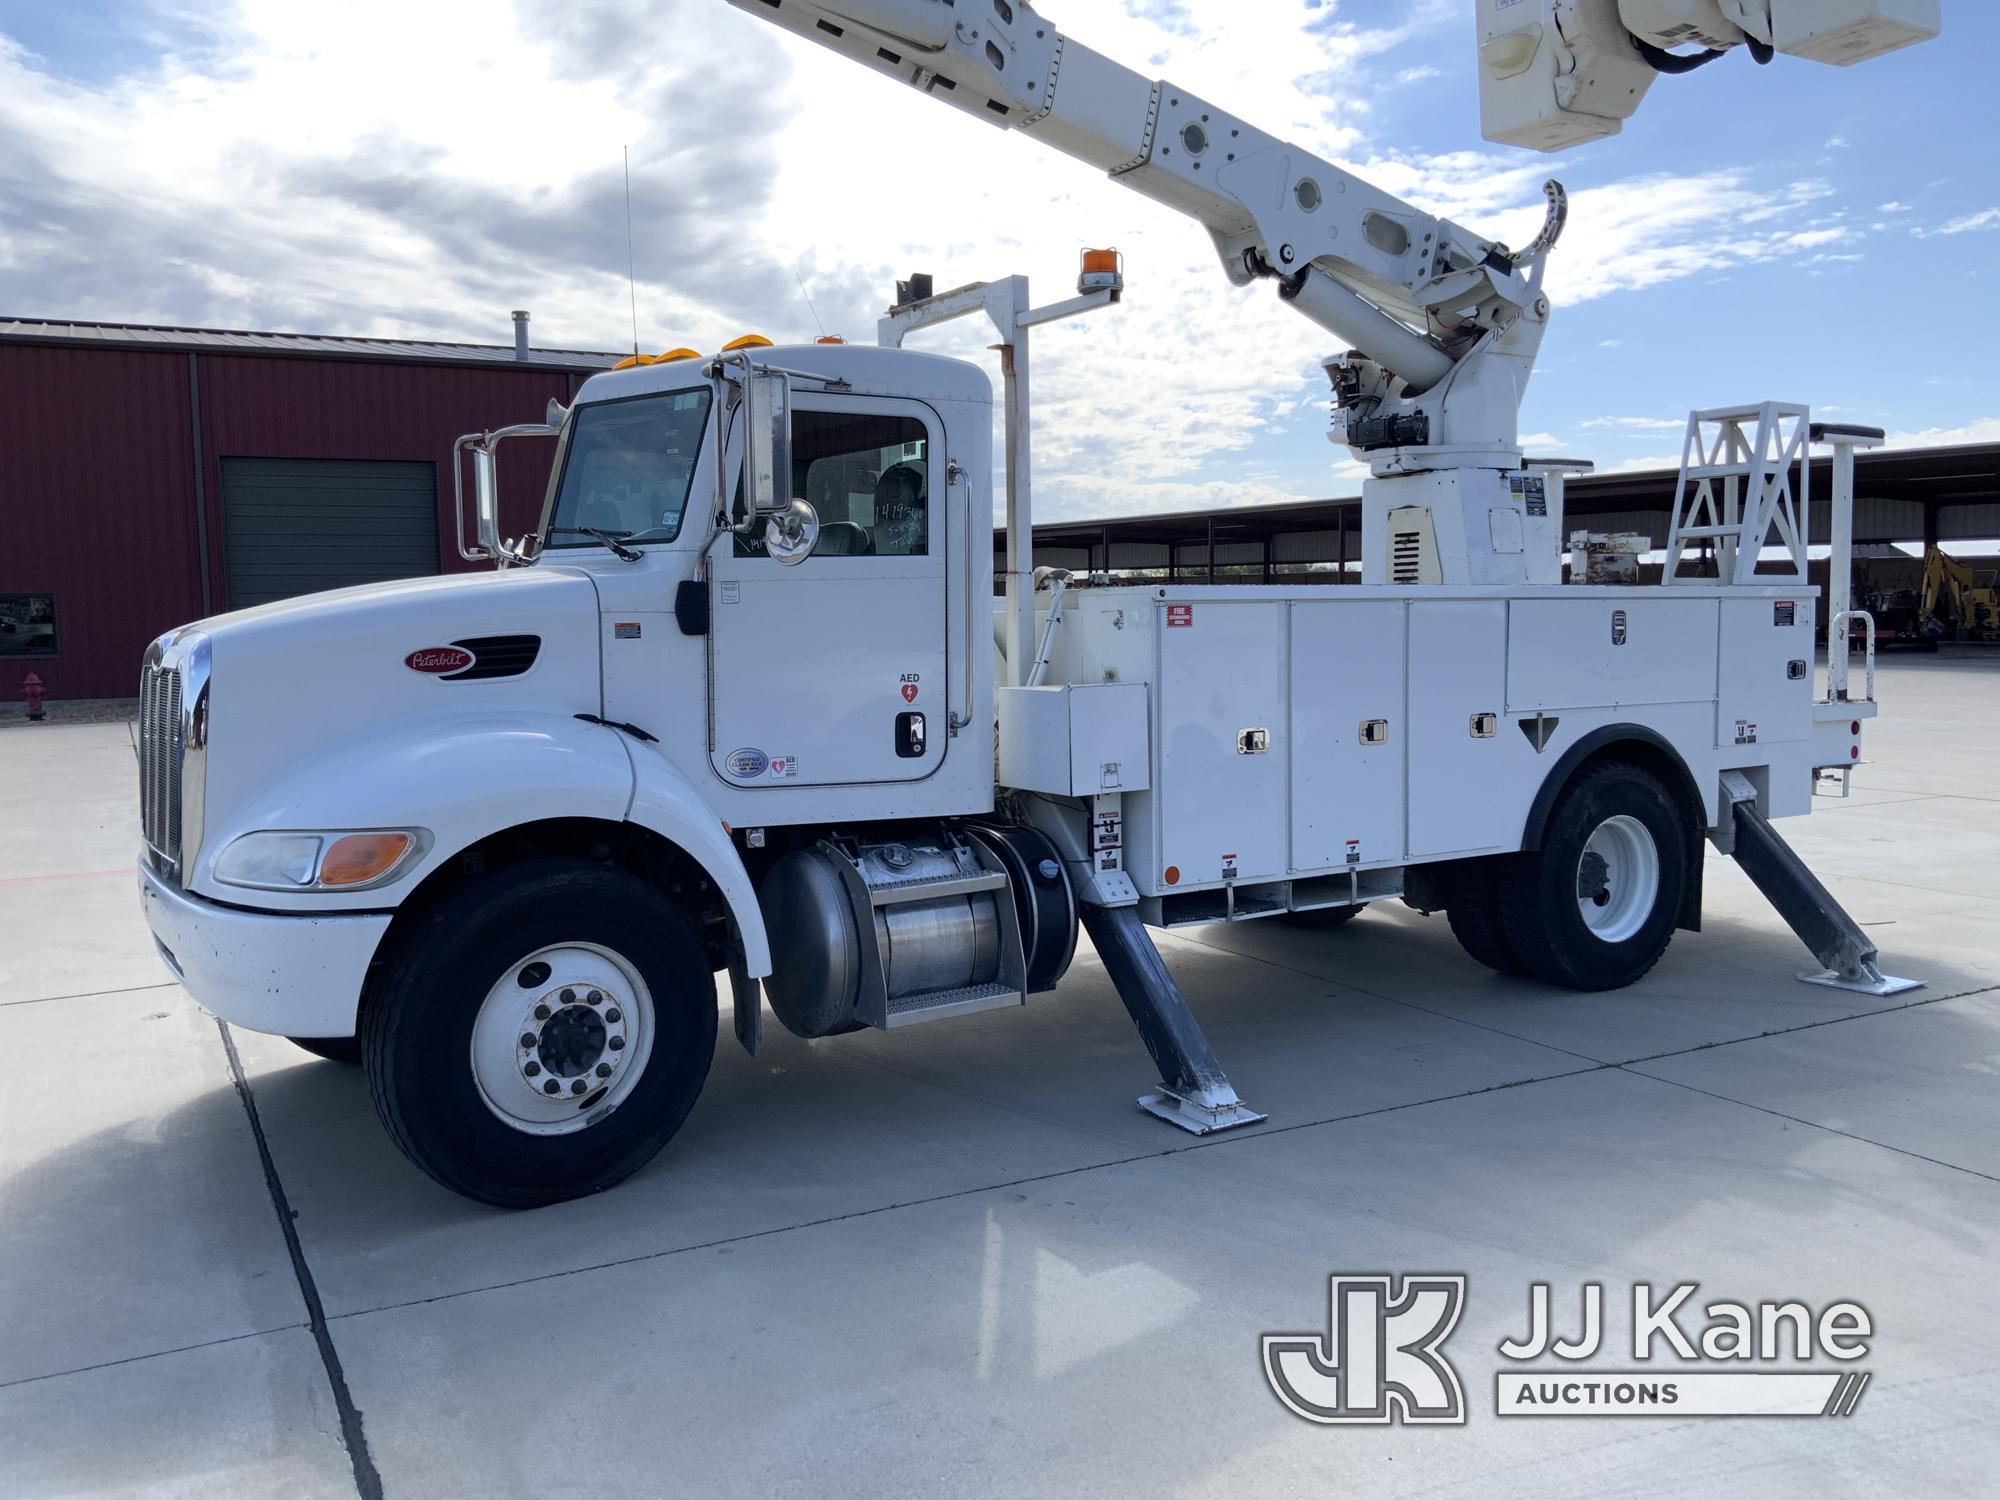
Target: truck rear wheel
340	1049
542	1033
1595	906
1326	917
1473	910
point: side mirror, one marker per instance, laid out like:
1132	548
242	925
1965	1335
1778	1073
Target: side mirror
792	533
486	499
767	445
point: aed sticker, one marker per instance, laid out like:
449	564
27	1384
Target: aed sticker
784	767
747	763
1785	612
1179	616
909	683
625	630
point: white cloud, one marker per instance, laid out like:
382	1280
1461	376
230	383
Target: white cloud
1639	424
1540	442
1979	430
1418	74
1986	218
1892	207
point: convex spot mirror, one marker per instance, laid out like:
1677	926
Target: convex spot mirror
486	498
767	448
792	533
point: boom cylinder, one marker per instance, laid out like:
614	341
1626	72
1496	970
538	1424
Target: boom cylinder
1399	350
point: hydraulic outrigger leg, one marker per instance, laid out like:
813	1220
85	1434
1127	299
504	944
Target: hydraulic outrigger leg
1195	1092
1808	907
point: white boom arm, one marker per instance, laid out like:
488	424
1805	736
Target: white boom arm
1434	310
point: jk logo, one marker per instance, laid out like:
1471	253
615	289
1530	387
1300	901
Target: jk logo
1381	1363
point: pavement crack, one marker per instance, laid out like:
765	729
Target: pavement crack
1765	1109
367	1482
128	989
133	1359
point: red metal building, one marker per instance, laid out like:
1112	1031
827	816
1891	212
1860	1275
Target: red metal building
150	476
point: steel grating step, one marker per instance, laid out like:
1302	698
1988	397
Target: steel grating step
936	1005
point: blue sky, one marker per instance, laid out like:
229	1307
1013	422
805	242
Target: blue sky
1796	232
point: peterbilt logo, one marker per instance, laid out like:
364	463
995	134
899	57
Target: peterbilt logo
437	661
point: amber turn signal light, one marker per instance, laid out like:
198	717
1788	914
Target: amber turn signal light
357	858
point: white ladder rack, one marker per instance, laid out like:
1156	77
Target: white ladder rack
1736	489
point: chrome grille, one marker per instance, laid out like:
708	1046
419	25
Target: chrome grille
160	751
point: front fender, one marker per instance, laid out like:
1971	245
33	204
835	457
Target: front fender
664	800
461	778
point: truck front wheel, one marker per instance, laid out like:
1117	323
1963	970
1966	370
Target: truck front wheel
542	1032
1595	906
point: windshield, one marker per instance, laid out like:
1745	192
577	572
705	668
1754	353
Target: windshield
627	468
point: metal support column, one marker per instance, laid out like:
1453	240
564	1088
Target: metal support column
1195	1092
1808	907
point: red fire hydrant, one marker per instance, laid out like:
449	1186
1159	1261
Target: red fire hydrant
31	689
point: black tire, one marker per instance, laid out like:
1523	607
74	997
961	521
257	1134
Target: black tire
417	1030
1473	910
1540	898
1326	918
340	1049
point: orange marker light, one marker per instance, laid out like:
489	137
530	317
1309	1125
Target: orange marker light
748	341
357	858
1171	875
829	338
681	353
1100	260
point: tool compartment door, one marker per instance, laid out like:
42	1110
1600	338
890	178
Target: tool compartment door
818	669
1465	791
1347	793
1221	800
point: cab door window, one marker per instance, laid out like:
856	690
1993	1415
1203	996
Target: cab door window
867	476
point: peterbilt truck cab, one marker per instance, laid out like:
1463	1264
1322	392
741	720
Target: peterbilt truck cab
494	833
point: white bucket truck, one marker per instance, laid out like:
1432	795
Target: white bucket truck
733	707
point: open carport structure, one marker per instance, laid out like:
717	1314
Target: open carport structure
1911	495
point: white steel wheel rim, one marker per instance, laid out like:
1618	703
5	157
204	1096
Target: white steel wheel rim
566	1014
1617	878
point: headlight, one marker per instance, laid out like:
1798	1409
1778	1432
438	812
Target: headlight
320	861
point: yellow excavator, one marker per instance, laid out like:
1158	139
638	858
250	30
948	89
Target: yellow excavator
1955	603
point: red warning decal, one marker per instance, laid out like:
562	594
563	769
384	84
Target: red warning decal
1179	615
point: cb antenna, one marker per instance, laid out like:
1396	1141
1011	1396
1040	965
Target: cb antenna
809	302
631	261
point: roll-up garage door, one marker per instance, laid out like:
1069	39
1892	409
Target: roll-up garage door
298	525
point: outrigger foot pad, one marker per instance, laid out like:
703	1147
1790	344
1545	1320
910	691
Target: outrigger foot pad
1866	979
1196	1117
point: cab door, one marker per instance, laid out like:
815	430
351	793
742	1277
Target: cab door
832	671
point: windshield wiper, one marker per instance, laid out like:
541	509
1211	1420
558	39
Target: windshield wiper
615	543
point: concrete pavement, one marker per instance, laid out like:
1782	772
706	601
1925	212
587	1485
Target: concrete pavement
956	1260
